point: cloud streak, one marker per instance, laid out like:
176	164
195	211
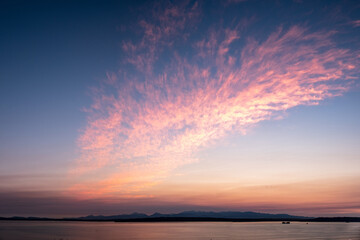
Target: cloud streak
329	197
149	119
356	23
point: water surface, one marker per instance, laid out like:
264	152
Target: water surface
176	230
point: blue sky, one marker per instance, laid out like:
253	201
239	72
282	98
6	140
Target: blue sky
70	70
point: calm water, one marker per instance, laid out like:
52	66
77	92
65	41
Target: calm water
180	230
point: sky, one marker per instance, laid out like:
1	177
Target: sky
111	107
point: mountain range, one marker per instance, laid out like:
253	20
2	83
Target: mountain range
196	214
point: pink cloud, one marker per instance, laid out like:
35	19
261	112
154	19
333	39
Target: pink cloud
146	128
165	24
356	23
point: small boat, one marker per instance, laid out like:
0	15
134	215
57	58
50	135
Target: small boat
285	222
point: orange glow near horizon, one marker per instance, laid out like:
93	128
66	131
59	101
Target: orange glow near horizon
328	196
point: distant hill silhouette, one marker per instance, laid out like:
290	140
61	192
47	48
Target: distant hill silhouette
197	214
189	216
193	216
114	217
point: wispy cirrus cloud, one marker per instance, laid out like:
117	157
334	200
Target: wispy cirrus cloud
146	122
355	23
165	25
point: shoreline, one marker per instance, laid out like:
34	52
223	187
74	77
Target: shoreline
189	219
